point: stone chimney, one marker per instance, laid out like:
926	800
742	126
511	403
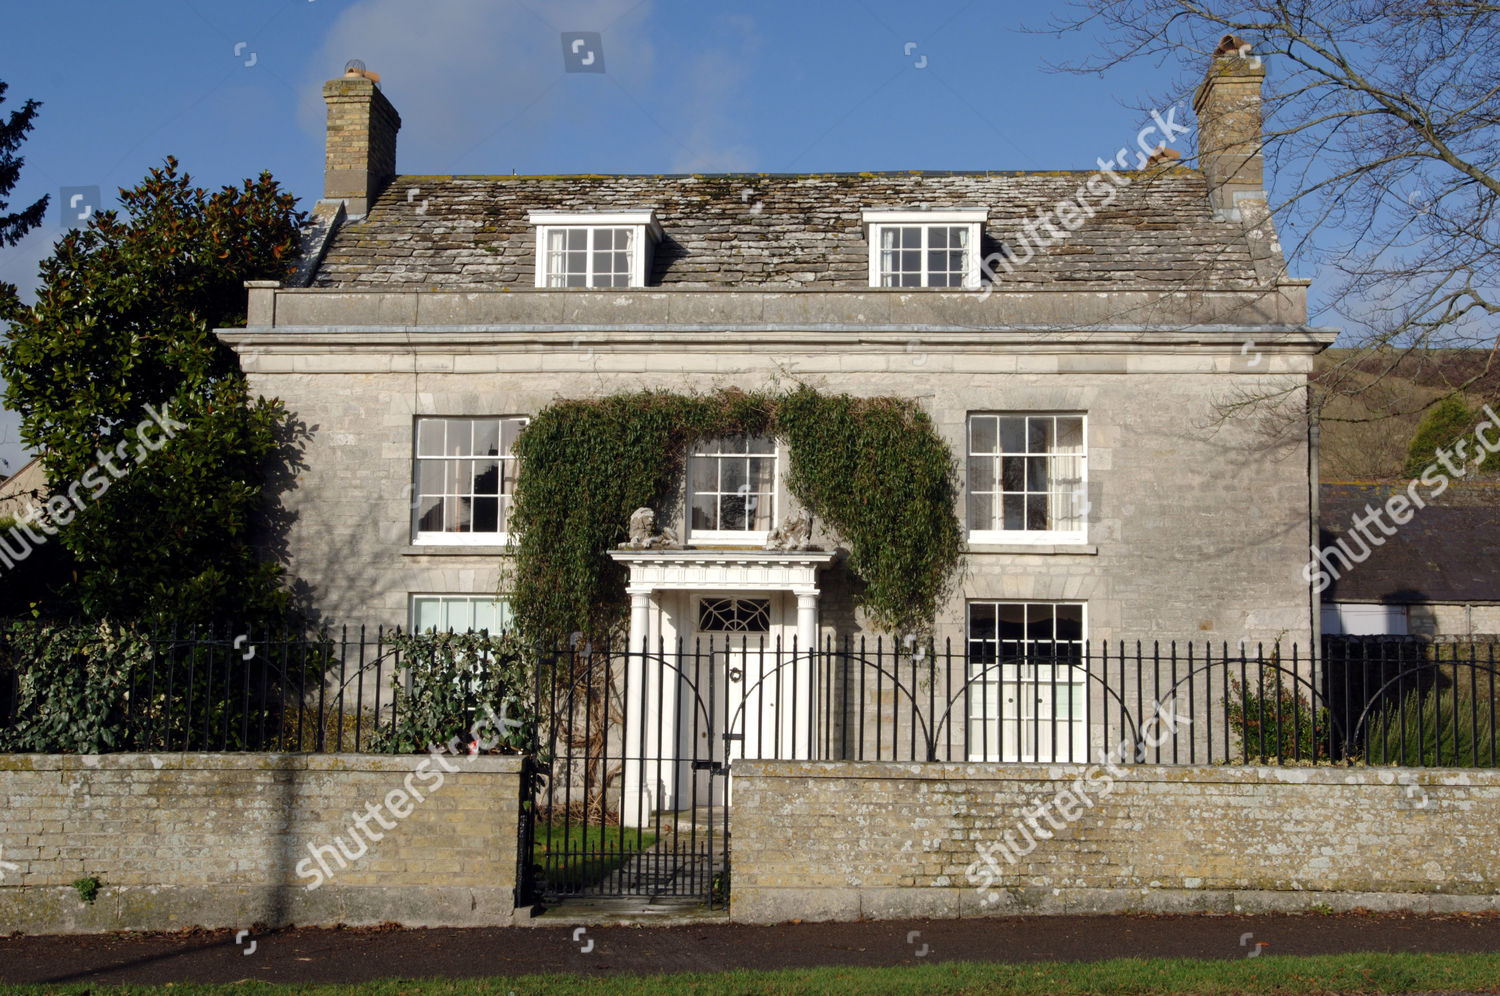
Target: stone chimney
1231	127
361	153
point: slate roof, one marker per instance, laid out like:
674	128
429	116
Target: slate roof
1448	552
787	231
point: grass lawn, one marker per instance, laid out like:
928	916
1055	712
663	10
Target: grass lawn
1285	976
582	856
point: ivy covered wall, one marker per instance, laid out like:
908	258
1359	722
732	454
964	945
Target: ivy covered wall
872	470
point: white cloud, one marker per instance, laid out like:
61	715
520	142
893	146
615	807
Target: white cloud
713	83
458	70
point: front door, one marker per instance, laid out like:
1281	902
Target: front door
736	642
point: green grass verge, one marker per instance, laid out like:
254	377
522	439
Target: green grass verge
1284	976
583	856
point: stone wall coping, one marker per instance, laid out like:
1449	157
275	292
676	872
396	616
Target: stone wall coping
1202	773
482	764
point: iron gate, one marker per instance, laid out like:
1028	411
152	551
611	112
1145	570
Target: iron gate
629	793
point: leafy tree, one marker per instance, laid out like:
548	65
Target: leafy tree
13	131
1382	136
1444	424
121	329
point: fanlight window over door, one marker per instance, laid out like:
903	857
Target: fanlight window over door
734	615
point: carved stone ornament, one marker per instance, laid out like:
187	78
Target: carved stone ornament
645	536
794	533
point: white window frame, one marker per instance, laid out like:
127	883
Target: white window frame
731	537
646	232
876	220
1041	678
1078	493
503	611
434	538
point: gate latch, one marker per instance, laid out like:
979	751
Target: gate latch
715	767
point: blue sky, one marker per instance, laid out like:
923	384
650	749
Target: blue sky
232	87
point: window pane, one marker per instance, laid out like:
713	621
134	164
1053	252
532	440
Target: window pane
982	621
486	477
1036	474
483	616
1013	435
1036	511
430	477
510	429
1011	618
430	436
982	434
430	515
1070	435
732	511
1039	435
733	475
1013	473
704	509
487	437
460	441
1039	622
486	515
981	511
1069	621
427	613
982	474
1015	511
705	474
762	473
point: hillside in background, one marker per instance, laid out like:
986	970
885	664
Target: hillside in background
1365	437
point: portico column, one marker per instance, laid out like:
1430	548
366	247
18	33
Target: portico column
642	775
801	730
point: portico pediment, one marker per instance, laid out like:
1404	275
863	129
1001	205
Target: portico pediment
723	570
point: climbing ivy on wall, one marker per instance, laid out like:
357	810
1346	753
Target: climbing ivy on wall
872	470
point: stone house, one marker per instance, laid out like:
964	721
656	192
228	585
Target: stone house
1073	334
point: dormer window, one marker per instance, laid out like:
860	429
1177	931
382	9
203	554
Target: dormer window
594	249
924	248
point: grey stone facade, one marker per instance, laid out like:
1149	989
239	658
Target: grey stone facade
1148	320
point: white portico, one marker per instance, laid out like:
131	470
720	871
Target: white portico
747	623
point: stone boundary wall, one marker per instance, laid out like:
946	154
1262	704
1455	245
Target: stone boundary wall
222	840
843	841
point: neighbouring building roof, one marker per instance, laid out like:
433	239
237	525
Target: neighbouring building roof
793	231
1448	552
22	489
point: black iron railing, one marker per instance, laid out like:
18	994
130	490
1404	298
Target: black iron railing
197	691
